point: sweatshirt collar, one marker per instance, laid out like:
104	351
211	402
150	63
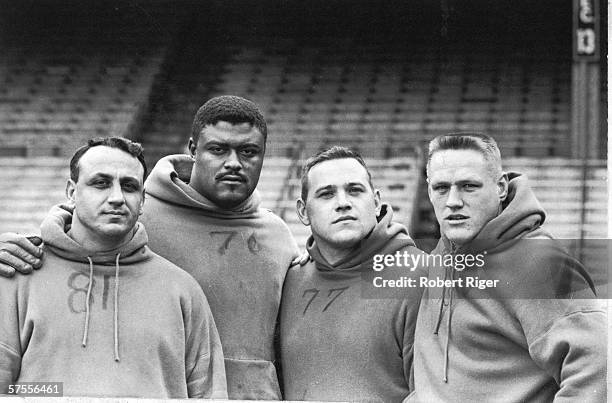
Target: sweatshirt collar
54	231
169	180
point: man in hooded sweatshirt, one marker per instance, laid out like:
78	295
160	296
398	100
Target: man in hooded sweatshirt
337	343
107	316
203	214
519	338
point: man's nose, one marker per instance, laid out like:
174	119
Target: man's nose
233	162
342	202
454	199
116	194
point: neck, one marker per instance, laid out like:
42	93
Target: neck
333	254
95	242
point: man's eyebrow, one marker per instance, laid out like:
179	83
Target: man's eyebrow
99	175
129	179
328	187
244	145
355	184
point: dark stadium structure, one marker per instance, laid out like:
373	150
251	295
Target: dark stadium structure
380	77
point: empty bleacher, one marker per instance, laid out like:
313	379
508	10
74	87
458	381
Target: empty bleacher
30	187
573	193
75	72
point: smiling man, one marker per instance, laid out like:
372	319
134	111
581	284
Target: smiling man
106	316
335	343
525	341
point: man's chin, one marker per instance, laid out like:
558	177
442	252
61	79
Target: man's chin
459	237
231	200
347	239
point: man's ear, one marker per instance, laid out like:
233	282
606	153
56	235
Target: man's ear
192	146
140	211
301	211
377	202
502	185
70	191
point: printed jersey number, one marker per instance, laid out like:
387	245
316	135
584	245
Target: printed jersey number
227	236
80	287
332	295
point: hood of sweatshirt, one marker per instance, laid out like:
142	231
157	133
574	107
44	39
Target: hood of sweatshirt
169	181
386	238
54	231
521	214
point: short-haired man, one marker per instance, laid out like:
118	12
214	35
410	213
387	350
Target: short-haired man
107	316
519	340
337	344
203	215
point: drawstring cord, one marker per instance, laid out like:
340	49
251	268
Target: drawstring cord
448	329
441	305
115	308
115	319
87	303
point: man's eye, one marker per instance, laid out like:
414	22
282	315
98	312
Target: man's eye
100	184
440	189
326	195
249	152
130	187
355	190
216	150
470	186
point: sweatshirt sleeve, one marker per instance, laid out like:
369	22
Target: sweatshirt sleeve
205	368
10	347
567	338
407	322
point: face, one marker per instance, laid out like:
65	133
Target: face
108	196
464	192
228	159
341	207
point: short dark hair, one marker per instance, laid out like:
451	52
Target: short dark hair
480	142
123	144
332	153
228	108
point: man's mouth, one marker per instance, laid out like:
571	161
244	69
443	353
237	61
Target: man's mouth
456	218
344	218
115	213
230	178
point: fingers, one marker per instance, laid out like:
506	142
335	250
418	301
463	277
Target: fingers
8	259
36	240
301	259
18	253
6	271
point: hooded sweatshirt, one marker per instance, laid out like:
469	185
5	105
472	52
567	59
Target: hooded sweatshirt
335	343
519	342
125	322
239	257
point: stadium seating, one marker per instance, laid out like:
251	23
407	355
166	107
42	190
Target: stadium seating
30	187
74	73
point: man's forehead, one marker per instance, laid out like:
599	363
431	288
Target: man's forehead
466	161
337	172
109	161
230	132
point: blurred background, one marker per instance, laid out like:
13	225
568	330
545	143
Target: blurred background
380	77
